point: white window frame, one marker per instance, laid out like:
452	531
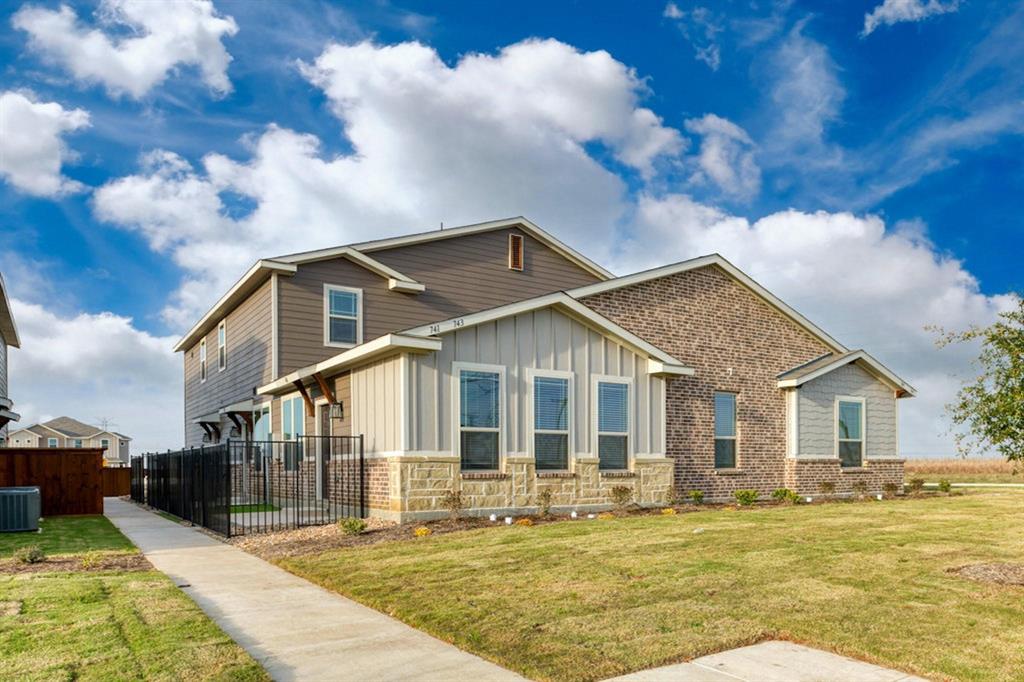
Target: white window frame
78	443
107	441
501	371
203	369
51	440
863	440
270	419
595	401
285	399
328	288
735	438
222	346
531	428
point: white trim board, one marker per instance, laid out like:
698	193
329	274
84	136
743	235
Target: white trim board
872	366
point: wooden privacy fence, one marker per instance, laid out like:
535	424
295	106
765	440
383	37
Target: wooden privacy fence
70	480
116	481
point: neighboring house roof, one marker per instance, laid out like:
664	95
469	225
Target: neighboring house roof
358	254
72	428
8	329
831	362
731	270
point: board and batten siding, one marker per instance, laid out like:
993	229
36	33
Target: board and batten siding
249	335
817	413
462	274
542	339
376	405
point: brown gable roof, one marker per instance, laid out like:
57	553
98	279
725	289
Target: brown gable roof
72	428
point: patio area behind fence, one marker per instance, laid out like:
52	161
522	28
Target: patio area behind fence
241	487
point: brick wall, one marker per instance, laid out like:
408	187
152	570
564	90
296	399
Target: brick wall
736	342
806	475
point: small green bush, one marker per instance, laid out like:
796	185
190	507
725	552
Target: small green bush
30	554
916	485
453	502
621	496
945	486
544	501
827	488
745	497
891	489
352	526
785	495
696	496
91	559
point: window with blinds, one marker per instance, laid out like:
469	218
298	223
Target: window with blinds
515	252
725	430
479	419
551	423
612	425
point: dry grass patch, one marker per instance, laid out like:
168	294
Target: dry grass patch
587	600
957	470
999	573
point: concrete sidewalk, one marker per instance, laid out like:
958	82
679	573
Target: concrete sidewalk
295	629
770	662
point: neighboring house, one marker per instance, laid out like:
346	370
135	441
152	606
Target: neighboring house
8	337
65	432
494	360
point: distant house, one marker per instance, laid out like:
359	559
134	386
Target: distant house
65	432
8	337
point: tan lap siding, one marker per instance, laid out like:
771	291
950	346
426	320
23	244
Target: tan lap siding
248	329
736	342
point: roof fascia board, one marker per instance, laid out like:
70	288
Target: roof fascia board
732	270
565	302
386	344
396	280
231	298
8	327
874	367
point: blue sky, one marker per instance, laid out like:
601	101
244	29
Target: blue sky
868	171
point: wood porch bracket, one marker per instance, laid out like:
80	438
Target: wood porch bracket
325	387
310	411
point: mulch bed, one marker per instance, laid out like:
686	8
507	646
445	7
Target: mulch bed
998	573
78	564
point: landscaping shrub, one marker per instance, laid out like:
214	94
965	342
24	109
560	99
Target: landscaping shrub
891	489
668	511
422	532
30	554
827	488
746	497
453	502
785	495
544	501
916	485
621	496
860	488
525	521
696	496
91	559
945	486
604	516
352	526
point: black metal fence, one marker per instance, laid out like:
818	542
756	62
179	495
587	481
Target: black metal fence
240	487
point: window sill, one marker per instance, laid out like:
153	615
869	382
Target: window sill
483	475
618	474
733	471
555	474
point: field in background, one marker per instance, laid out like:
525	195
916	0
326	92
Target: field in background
958	470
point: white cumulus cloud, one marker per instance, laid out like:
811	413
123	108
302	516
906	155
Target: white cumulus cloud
32	147
85	365
726	155
896	11
143	42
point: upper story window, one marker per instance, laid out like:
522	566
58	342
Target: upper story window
222	347
480	401
78	442
343	316
725	430
515	252
850	431
51	442
105	443
202	360
551	408
613	425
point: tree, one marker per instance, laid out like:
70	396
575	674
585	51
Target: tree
990	407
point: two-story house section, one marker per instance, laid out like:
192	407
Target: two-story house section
292	311
8	337
65	432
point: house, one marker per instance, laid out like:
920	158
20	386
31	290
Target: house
494	360
8	337
65	432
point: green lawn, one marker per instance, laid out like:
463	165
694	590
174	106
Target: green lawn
586	600
105	625
68	535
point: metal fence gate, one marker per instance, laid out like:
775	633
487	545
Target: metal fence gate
240	487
